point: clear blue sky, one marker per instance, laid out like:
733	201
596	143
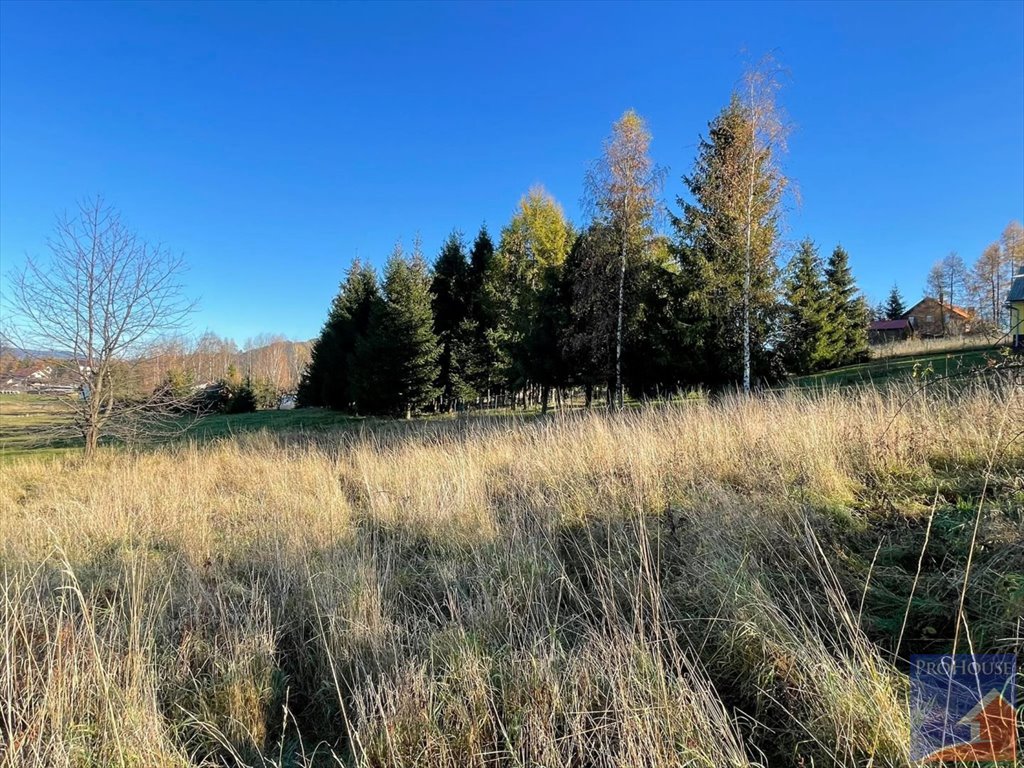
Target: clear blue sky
272	143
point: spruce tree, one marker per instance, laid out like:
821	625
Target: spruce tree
449	290
589	341
327	380
894	305
805	318
543	361
651	330
485	354
323	358
710	248
846	337
397	361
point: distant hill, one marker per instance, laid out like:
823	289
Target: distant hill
8	349
276	360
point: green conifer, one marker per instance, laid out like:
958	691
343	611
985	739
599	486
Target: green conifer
806	317
846	335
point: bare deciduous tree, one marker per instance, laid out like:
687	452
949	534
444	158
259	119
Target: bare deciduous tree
992	274
102	298
987	286
765	145
947	279
1012	243
624	186
266	357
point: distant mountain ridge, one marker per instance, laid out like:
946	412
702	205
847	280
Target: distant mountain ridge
12	350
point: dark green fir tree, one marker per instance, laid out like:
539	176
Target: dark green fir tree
805	317
846	337
327	380
895	307
396	363
449	291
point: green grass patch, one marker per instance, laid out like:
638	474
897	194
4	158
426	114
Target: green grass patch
922	367
34	425
300	420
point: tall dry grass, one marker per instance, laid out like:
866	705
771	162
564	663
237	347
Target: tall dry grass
654	588
927	346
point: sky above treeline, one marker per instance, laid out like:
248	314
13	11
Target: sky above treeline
272	143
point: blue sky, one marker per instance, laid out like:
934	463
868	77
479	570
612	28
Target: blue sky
273	143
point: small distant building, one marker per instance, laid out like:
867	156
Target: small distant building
286	403
30	379
885	331
1015	302
37	373
932	318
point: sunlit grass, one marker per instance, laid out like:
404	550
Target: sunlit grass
673	585
922	346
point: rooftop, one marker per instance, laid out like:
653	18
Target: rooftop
1016	289
890	325
960	312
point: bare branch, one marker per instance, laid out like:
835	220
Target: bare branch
102	298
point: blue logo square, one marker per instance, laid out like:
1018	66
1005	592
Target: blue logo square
962	707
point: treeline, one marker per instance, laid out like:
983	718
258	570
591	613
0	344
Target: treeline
272	360
615	308
980	288
230	393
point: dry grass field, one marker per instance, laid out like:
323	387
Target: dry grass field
716	583
922	346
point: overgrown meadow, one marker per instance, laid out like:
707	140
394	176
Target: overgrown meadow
724	582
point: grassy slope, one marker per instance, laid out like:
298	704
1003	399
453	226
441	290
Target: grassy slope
23	417
26	420
302	420
889	370
486	592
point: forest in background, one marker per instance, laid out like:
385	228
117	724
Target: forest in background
645	298
624	305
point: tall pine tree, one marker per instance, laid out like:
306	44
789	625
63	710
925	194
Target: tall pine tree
397	361
846	337
806	315
486	344
591	270
449	290
651	332
327	380
710	247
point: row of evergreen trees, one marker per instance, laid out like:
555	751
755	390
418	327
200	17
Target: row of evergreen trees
825	321
551	310
492	328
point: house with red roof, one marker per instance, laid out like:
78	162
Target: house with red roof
993	727
932	318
